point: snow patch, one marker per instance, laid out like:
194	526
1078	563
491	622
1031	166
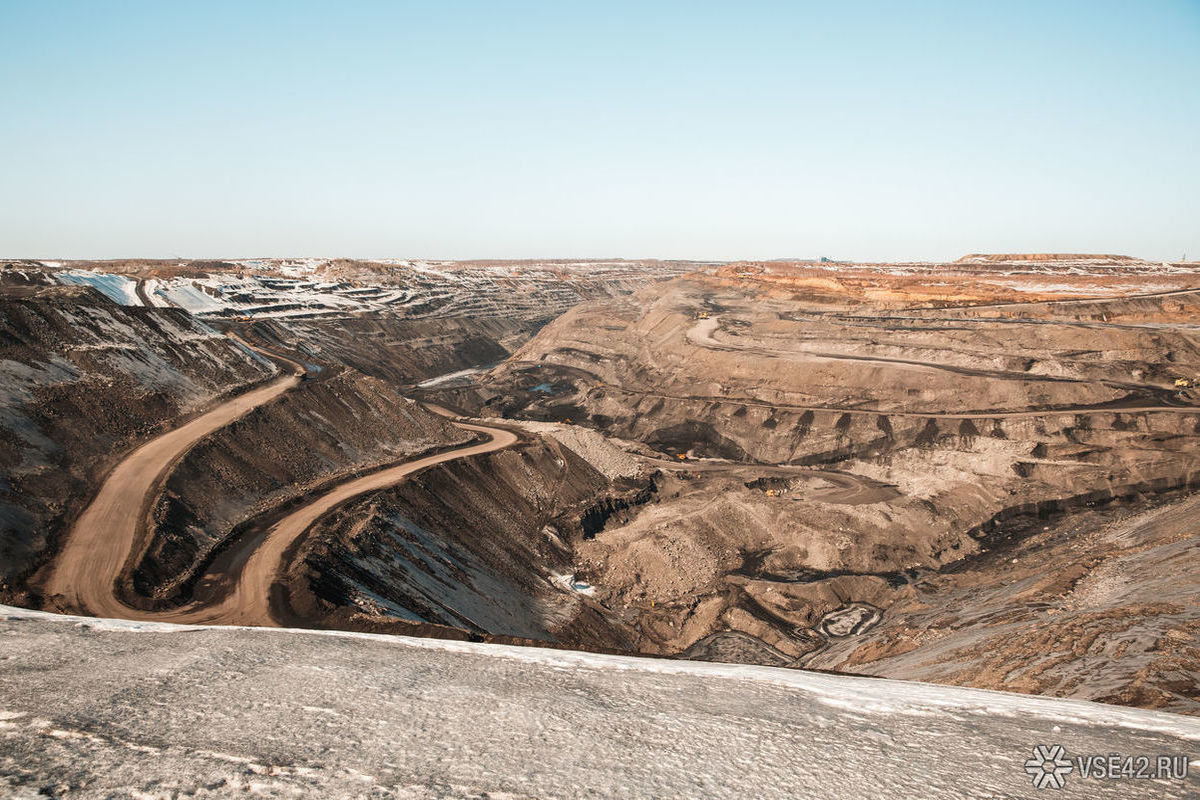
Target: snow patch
117	288
449	376
866	696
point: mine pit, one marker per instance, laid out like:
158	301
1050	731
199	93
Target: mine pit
894	471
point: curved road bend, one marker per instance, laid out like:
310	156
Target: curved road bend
249	602
85	573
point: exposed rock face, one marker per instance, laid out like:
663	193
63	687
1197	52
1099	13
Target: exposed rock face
82	380
1022	258
481	544
1095	604
292	289
89	377
399	351
910	471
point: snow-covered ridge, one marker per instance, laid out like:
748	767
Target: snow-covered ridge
117	288
315	287
859	694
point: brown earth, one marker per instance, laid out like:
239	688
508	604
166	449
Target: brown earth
969	422
976	473
82	381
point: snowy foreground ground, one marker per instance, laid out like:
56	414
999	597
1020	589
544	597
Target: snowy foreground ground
95	708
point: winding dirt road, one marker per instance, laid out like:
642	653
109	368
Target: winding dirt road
1121	407
85	572
84	575
703	334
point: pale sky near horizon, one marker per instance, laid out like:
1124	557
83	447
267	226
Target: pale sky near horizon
722	130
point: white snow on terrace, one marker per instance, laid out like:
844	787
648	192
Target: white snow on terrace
569	583
185	295
304	266
296	271
1061	288
117	288
300	288
862	696
151	287
449	376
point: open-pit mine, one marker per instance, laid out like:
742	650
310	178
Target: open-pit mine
980	473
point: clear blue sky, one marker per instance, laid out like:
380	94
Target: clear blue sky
670	129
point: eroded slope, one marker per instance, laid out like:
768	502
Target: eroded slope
833	456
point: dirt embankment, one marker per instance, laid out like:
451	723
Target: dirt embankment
340	422
1045	257
780	382
483	544
87	575
88	379
275	455
960	284
83	380
398	351
1096	603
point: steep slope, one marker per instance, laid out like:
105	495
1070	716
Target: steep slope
479	544
81	380
275	455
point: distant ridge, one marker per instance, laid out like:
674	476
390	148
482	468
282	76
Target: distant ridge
975	258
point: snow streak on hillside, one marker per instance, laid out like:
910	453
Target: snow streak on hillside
312	287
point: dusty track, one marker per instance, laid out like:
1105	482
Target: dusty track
1121	406
84	576
249	601
703	333
845	488
85	572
